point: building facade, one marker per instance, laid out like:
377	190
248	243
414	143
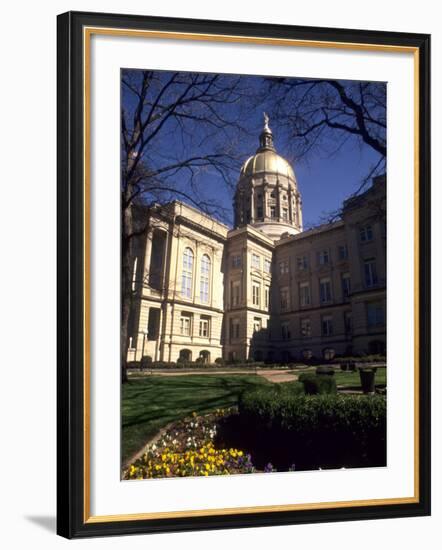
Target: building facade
266	289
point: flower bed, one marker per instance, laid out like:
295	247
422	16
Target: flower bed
187	449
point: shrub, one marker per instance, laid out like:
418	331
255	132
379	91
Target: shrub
314	431
287	408
314	384
219	361
146	362
325	369
360	359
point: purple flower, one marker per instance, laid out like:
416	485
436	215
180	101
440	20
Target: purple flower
268	468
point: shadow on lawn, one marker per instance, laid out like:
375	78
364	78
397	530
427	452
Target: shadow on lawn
163	398
151	403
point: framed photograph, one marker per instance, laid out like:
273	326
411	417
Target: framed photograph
243	274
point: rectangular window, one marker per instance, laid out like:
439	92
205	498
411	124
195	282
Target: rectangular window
325	295
285	330
234	328
186	284
302	263
256	261
348	322
267	297
304	294
205	327
259	212
343	252
153	324
285	214
256	291
323	257
284	267
186	324
345	279
257	325
366	233
375	314
236	260
273	211
326	325
234	293
205	278
306	327
267	265
370	275
157	256
204	290
285	299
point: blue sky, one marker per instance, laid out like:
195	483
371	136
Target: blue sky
324	182
324	179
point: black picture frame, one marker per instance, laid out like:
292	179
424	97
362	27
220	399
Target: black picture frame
72	392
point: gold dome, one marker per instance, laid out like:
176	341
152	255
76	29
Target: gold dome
267	161
267	195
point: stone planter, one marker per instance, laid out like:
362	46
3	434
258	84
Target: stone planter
367	376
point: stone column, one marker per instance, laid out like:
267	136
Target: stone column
279	191
148	255
290	199
299	212
252	204
265	200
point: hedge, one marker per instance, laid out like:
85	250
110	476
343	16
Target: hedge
360	359
317	384
146	363
328	431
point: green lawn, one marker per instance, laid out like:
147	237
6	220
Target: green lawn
352	379
152	402
349	379
148	404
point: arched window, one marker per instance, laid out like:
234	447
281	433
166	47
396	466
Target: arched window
205	356
205	278
186	281
185	355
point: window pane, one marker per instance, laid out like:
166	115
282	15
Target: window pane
205	277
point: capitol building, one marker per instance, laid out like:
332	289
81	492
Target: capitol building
265	290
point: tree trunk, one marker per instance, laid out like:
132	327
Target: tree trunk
126	287
125	311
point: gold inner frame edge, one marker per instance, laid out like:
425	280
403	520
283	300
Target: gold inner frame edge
87	34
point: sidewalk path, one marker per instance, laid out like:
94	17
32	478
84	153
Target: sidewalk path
272	375
277	376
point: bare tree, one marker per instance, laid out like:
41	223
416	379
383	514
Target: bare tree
323	115
174	127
